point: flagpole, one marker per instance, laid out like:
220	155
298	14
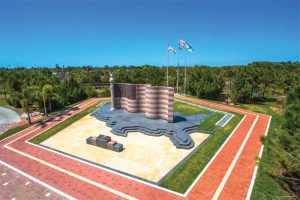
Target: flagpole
177	72
168	68
177	81
185	72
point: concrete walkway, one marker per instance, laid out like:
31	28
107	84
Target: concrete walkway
8	116
8	119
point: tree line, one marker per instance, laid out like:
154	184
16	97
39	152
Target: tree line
46	89
281	158
258	81
52	88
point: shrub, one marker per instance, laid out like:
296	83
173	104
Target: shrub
91	92
14	99
105	93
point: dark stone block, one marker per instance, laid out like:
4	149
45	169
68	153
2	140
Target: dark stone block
102	140
118	147
101	143
104	137
89	140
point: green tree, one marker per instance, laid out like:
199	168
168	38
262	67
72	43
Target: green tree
46	93
290	140
3	81
90	92
29	97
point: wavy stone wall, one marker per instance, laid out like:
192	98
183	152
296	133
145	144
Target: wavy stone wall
155	102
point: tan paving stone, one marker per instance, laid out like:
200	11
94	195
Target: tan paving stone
144	156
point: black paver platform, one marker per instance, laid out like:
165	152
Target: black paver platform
123	122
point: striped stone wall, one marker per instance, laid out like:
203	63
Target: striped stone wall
156	102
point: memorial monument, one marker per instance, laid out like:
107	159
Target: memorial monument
149	110
156	102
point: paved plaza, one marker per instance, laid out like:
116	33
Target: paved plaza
144	156
123	122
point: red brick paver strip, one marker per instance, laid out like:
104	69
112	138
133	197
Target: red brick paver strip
76	188
210	180
237	185
85	181
243	170
16	186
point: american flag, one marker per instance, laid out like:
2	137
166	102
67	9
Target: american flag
181	44
171	49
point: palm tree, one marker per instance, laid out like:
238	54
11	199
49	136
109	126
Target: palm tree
3	80
25	105
46	93
29	96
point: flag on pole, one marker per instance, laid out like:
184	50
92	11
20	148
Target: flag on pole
181	44
189	47
171	49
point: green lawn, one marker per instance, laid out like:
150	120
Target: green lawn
184	175
208	124
45	135
67	107
264	107
16	130
186	109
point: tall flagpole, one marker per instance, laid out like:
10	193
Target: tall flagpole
185	72
177	72
168	67
177	83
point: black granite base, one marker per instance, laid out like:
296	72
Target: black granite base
123	122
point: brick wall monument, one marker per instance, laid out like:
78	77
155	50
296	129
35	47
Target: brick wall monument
155	101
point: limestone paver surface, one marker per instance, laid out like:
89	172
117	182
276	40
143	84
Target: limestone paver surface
144	156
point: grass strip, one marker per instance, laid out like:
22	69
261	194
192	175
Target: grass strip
209	123
184	175
15	130
52	131
51	114
186	109
269	184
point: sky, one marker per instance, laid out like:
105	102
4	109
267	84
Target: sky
98	33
